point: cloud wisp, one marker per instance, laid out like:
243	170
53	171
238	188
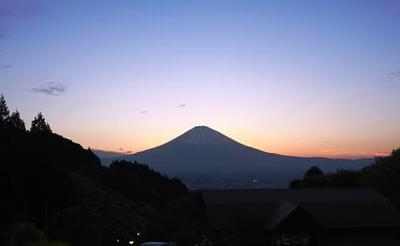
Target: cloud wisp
19	9
182	105
122	150
53	88
5	66
394	78
395	74
13	10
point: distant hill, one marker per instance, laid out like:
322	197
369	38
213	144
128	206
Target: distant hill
204	151
107	156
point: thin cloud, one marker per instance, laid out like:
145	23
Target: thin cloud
5	66
395	74
143	112
394	79
11	9
182	105
14	10
51	89
125	151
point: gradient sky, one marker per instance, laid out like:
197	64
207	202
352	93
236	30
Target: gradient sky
306	78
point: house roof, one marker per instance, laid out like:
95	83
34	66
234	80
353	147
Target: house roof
282	211
332	208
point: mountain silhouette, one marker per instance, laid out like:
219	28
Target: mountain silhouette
202	150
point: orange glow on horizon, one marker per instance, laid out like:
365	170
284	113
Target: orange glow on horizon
278	139
278	148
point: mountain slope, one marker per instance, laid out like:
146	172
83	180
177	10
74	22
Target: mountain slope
203	150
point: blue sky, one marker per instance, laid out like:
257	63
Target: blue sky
294	77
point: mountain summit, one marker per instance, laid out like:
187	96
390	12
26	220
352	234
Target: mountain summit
203	135
204	151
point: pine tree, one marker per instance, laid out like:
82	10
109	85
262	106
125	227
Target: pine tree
39	125
4	113
15	121
314	171
314	178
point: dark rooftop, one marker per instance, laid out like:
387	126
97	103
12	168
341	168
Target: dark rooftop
332	208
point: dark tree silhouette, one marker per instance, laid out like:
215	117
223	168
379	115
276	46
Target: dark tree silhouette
297	183
27	234
313	178
344	179
39	125
52	186
4	112
383	175
313	171
15	121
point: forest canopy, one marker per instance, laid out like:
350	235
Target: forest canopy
54	192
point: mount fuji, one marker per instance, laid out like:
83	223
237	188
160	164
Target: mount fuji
202	151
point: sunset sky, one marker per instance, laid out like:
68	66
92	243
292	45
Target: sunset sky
305	78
